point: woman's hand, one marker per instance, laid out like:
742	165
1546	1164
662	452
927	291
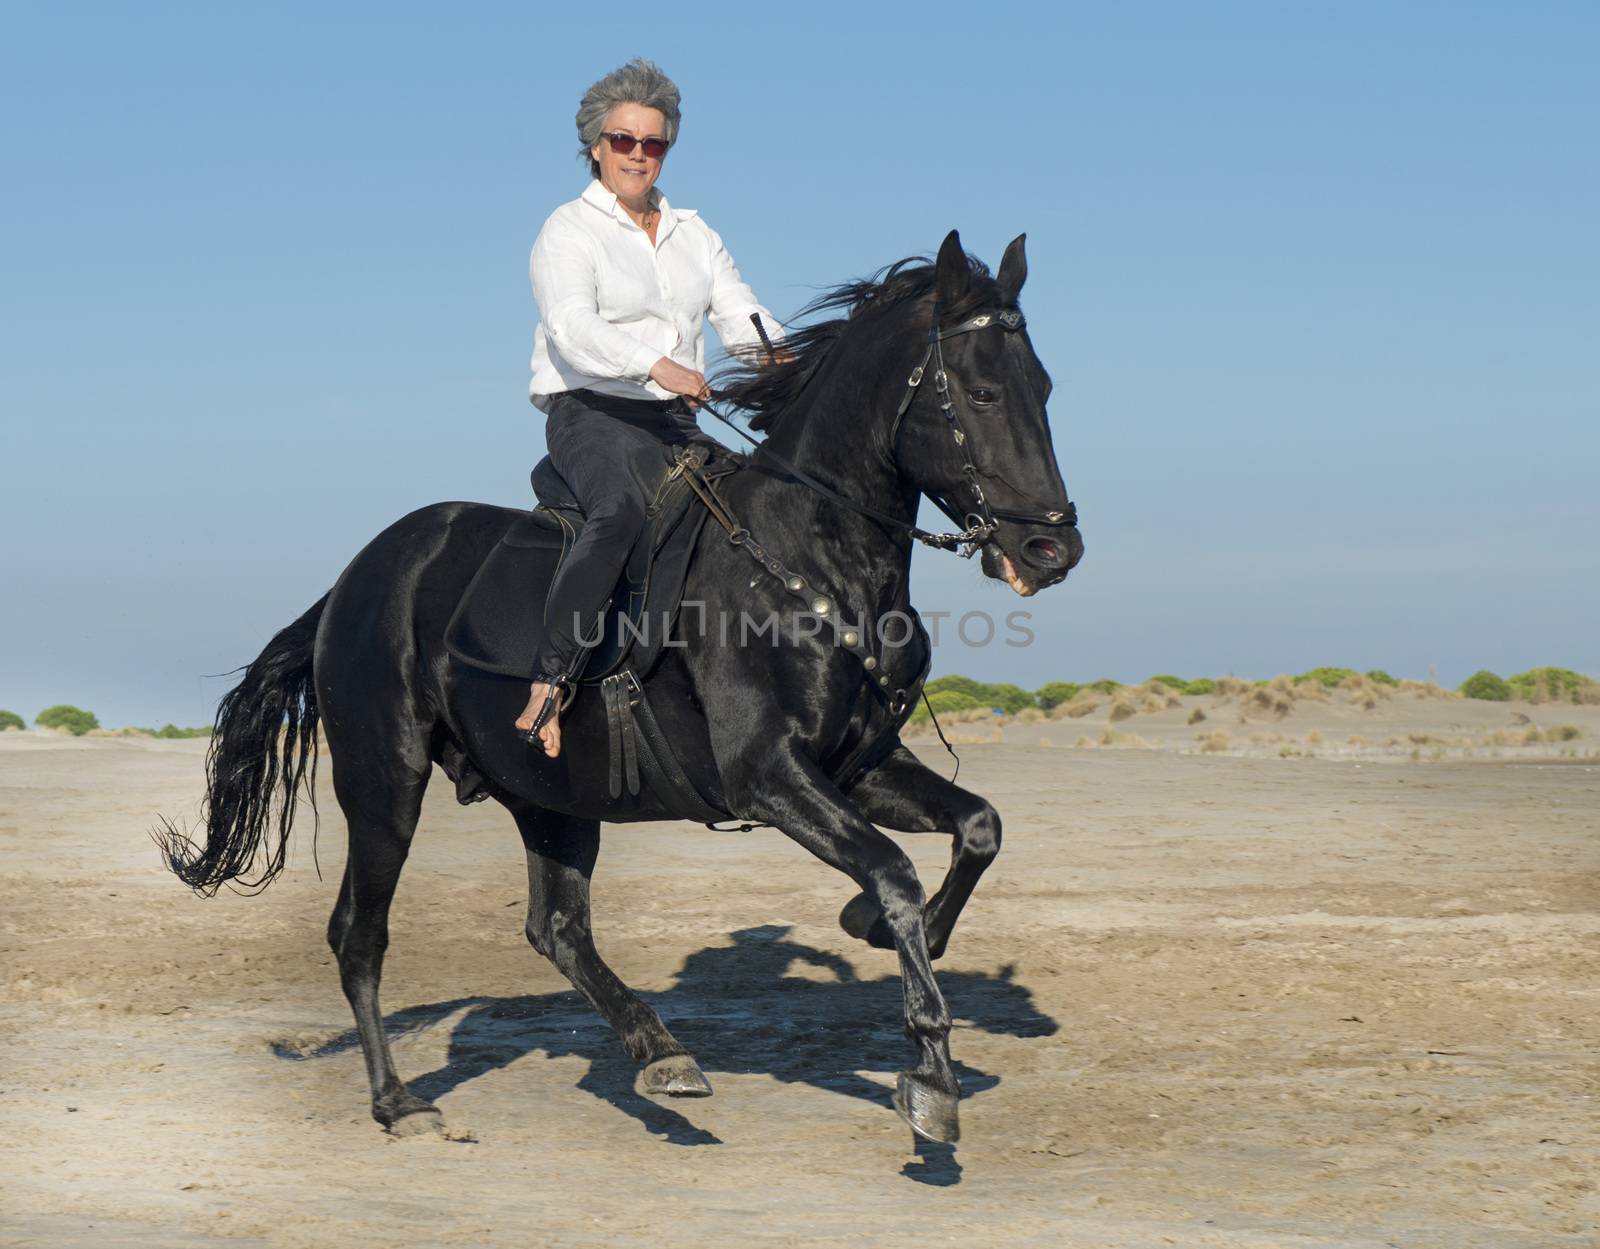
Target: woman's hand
673	378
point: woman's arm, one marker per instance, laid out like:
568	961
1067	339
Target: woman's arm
732	302
562	269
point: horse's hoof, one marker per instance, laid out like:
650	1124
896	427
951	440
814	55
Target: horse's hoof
418	1123
862	919
676	1076
403	1113
932	1113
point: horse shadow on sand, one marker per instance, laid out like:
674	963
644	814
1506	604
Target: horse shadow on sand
738	1011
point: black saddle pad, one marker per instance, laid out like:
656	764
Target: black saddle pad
498	625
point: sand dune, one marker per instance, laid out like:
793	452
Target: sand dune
1281	720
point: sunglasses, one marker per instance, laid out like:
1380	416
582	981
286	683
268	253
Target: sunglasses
622	144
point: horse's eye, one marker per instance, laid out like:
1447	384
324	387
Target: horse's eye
982	396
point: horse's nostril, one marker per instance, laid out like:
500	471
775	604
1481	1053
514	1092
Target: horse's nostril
1046	552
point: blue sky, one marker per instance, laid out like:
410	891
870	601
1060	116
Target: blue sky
1317	286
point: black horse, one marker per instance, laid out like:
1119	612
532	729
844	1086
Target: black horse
771	727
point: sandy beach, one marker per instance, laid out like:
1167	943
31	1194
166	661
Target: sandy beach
1275	992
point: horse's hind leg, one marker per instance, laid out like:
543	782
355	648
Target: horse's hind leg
381	801
561	854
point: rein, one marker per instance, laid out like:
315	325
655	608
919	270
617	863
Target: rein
970	537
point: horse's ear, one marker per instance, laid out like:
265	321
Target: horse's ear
952	273
1013	271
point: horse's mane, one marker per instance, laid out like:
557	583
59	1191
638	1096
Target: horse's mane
766	390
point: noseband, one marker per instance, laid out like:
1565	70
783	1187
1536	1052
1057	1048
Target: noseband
983	520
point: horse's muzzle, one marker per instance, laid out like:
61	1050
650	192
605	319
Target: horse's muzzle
1055	553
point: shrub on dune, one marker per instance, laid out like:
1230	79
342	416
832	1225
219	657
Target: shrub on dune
1381	677
1125	704
1158	689
1301	689
1554	685
1004	696
953	684
1156	695
1274	697
67	718
1328	678
1364	692
1485	685
1007	697
172	732
1057	692
944	702
10	720
1200	685
1084	702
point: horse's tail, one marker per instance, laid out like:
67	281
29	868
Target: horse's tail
265	739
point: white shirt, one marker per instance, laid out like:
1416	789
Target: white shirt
611	305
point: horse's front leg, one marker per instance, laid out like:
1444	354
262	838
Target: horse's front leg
788	790
904	794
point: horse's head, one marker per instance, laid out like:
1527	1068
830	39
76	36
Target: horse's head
972	434
967	428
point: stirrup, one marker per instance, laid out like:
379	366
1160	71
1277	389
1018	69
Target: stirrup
556	700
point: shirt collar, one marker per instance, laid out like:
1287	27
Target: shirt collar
596	195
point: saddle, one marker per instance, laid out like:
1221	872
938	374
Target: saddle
499	623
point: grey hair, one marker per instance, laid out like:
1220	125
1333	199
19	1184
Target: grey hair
638	82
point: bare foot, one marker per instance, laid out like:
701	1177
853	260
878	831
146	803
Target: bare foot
550	735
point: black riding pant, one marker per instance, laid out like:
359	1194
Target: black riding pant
612	453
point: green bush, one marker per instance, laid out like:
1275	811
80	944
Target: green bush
172	731
1484	684
1553	685
74	720
1008	698
11	720
1105	686
1176	684
1381	677
1056	693
1201	685
1328	678
955	682
944	702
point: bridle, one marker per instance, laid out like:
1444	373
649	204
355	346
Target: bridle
983	520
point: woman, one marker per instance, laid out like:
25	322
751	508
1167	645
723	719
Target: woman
624	283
